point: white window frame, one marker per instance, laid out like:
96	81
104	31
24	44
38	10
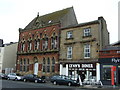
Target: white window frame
87	31
69	52
69	34
87	51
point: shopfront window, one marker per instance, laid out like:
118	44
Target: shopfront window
106	73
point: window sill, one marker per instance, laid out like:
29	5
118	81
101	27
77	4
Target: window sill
87	36
69	38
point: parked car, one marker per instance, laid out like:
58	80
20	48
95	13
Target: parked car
3	76
61	79
33	78
14	76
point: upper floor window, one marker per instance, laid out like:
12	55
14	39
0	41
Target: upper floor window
86	51
87	32
69	34
37	44
30	45
69	52
54	42
23	47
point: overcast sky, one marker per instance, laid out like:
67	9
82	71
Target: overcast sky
15	14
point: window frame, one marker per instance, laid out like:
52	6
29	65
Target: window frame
87	32
69	52
69	34
87	50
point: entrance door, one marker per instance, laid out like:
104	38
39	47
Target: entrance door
36	68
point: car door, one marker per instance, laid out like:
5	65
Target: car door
62	80
31	77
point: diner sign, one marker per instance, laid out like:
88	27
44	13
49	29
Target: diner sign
87	65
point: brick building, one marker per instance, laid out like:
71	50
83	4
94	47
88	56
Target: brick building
79	48
109	59
38	46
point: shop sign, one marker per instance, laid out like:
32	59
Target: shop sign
116	60
81	66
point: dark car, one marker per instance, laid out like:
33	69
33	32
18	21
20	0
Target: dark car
61	79
3	76
33	78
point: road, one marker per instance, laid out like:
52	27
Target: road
20	85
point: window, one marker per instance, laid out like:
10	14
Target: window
46	43
106	73
70	34
29	45
21	65
54	42
23	47
69	53
28	64
24	67
44	65
48	65
53	65
87	31
37	44
86	51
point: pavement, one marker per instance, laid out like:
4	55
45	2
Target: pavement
104	87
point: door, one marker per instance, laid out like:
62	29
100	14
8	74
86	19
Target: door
36	68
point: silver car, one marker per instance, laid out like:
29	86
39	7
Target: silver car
14	76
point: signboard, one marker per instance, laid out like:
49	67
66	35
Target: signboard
110	60
82	65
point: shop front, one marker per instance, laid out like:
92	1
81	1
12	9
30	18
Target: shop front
110	71
87	71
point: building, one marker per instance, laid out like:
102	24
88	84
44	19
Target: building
38	46
110	64
79	48
8	58
1	54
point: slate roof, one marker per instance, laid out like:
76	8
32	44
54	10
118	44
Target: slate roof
50	18
81	24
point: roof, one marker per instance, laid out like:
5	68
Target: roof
50	18
81	24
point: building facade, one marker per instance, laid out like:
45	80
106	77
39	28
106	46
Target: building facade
38	47
110	64
79	49
1	53
8	58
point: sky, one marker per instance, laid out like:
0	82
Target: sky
15	14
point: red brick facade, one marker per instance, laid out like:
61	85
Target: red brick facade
39	49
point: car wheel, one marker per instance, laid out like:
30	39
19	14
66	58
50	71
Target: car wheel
69	83
55	83
36	81
8	78
24	80
15	79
